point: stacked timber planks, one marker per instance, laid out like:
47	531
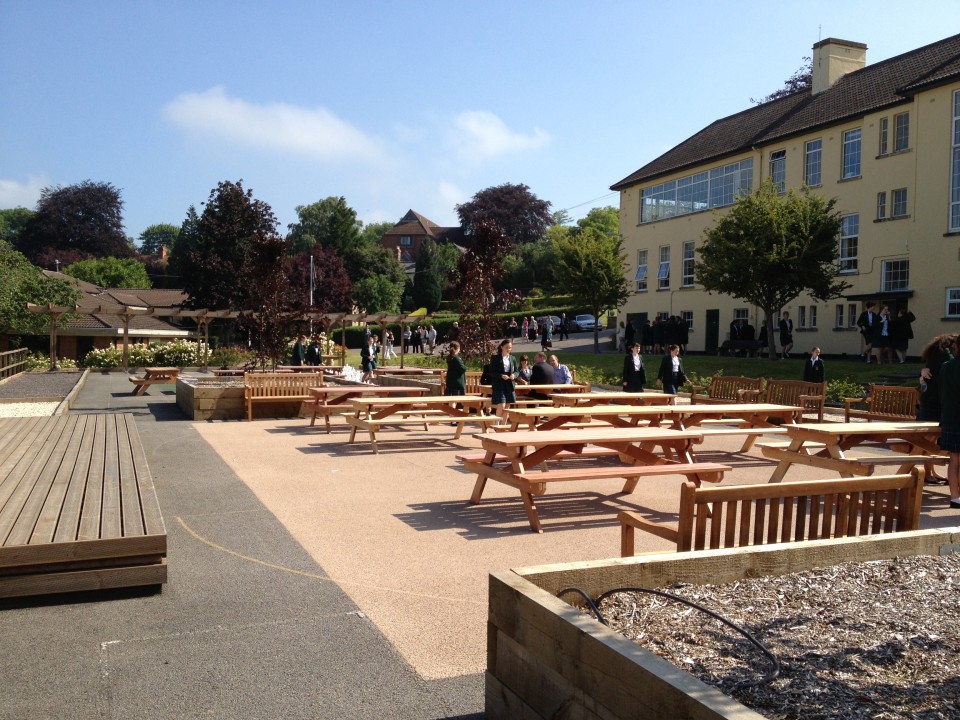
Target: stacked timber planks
78	509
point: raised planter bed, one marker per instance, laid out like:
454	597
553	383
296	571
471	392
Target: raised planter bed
546	659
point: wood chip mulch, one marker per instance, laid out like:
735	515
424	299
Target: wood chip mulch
876	640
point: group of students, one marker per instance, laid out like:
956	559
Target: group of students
305	353
888	335
670	375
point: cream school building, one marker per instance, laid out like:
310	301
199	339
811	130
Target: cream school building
884	139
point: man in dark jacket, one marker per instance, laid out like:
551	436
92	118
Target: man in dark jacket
541	374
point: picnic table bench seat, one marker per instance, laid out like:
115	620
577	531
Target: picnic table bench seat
884	402
724	389
741	515
154	376
278	388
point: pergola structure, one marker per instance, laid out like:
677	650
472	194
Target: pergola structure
203	318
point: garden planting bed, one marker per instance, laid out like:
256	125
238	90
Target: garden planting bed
546	658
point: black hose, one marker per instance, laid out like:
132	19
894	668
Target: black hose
594	607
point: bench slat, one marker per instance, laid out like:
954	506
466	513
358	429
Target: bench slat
624	471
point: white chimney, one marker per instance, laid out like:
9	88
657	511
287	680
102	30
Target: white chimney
833	58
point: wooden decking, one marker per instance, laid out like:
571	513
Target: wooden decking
78	510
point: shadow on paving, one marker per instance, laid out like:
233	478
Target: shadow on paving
247	626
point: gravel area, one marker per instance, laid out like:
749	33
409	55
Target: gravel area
877	640
41	384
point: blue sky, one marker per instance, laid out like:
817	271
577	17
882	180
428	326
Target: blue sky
393	105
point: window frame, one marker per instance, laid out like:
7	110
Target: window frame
851	164
687	317
778	169
848	262
898	203
641	263
813	162
884	136
901	132
894	279
663	269
802	317
406	241
852	315
953	210
882	205
687	276
838	315
954	301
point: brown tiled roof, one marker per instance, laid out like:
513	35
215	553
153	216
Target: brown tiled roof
413	223
883	84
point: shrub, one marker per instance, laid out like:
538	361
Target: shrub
39	361
837	390
104	358
140	355
230	355
179	353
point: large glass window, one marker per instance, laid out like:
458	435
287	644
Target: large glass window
701	191
882	205
896	275
406	241
778	169
953	302
812	162
687	317
849	241
641	276
686	277
851	154
852	315
838	320
663	272
899	198
955	167
901	132
884	136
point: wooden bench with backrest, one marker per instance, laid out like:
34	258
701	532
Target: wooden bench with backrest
743	515
724	389
278	387
884	402
810	396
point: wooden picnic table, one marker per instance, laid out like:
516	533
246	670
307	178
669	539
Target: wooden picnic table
155	376
328	398
523	392
589	399
370	414
389	370
510	458
827	446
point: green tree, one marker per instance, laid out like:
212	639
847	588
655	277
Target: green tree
372	233
771	247
214	248
22	282
329	222
156	237
12	223
520	215
378	294
531	266
590	265
366	262
268	298
111	272
75	222
429	278
606	220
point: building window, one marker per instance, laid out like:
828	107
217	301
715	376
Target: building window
882	205
852	315
686	277
884	135
741	314
953	302
901	132
813	316
899	204
802	317
812	160
851	154
778	169
641	276
406	241
663	315
713	188
896	275
687	317
663	272
955	167
849	240
838	320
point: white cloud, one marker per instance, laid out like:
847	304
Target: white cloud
316	133
16	194
478	134
451	195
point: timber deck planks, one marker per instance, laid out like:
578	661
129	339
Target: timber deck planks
78	509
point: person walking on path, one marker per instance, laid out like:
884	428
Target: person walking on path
867	322
882	342
934	355
901	333
786	336
813	369
431	338
634	374
504	370
525	328
670	376
388	350
950	420
368	359
313	355
564	328
299	356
